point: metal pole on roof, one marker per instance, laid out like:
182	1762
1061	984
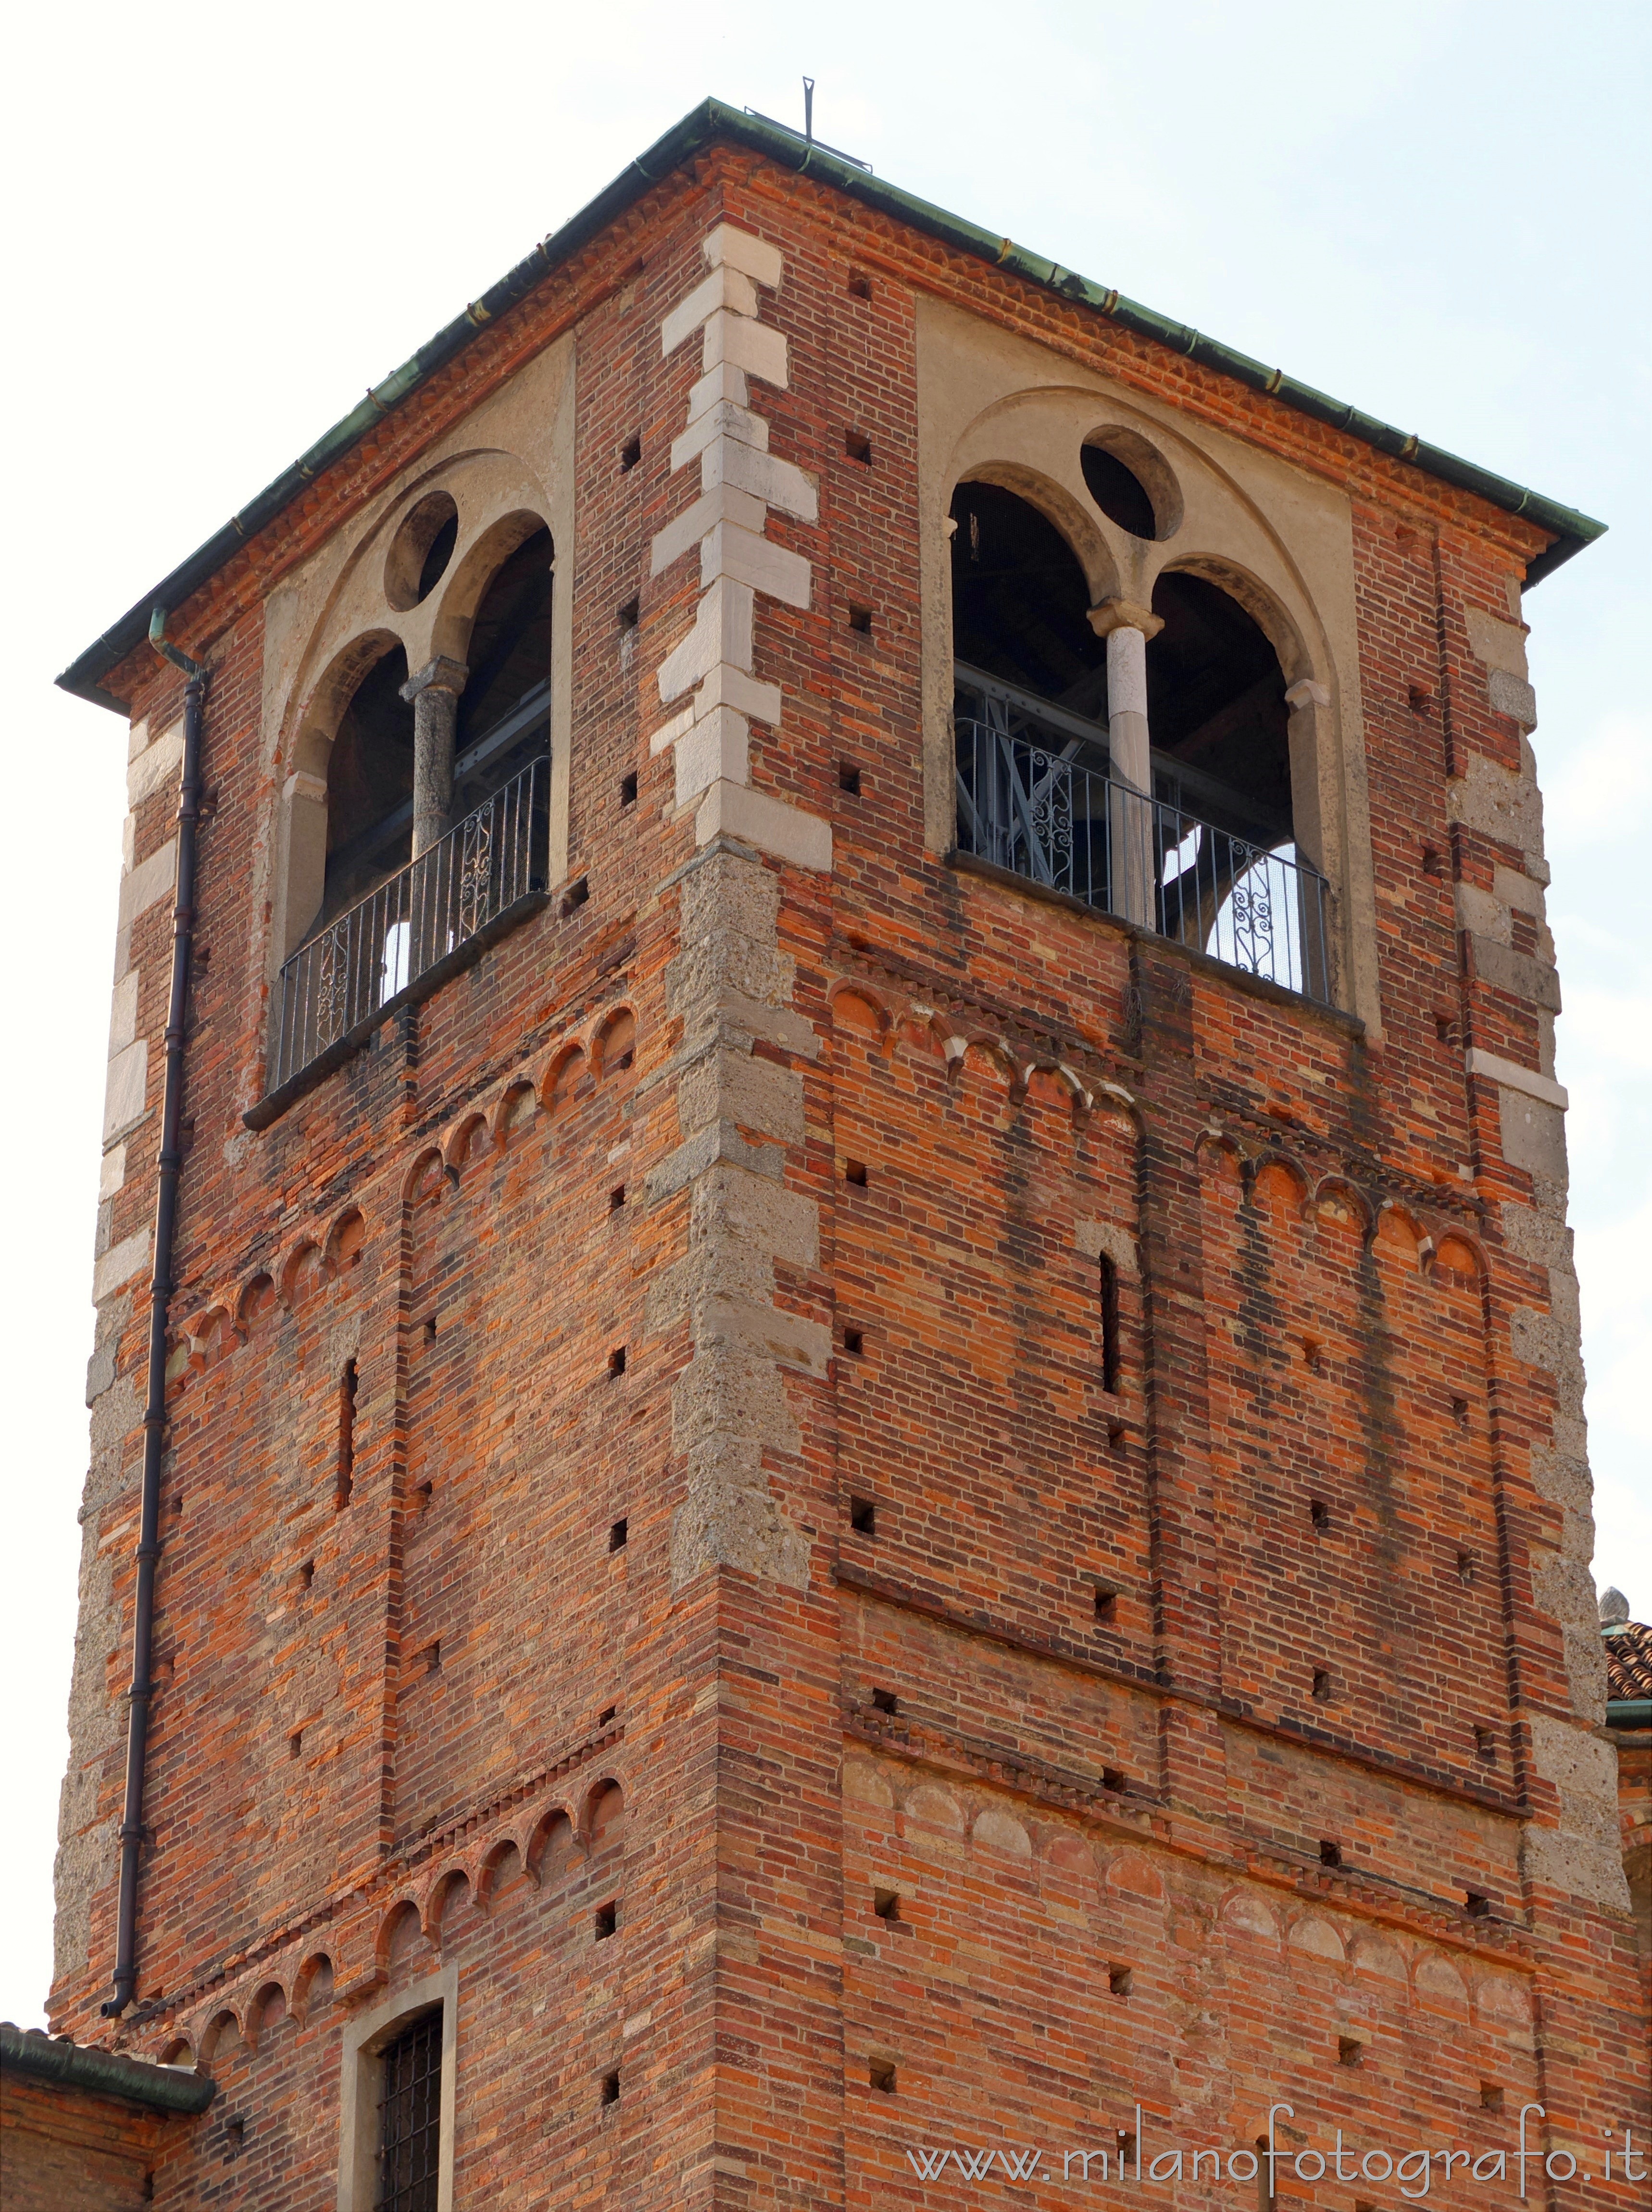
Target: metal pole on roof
809	110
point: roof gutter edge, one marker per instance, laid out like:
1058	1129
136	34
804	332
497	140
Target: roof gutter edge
105	2073
713	120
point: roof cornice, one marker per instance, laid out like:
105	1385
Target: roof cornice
713	122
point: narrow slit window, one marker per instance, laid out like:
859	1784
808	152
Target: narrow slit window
346	1476
1110	1362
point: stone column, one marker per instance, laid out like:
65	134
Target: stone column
434	694
1127	628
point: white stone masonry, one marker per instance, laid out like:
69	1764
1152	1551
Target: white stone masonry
740	480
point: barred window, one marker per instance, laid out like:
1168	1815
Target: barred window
410	2117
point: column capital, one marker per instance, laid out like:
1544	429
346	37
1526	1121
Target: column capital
438	675
1124	614
1306	693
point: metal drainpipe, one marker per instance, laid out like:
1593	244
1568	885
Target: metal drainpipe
155	1408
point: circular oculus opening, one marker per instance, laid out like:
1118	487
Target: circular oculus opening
421	550
1131	485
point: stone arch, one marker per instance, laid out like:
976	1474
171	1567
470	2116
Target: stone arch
989	1054
470	1140
857	1008
504	1868
301	1273
552	1846
222	2037
1438	1983
1313	1934
935	1808
1223	1153
211	1337
1336	1200
998	1830
268	2009
401	1931
1153	473
1373	1954
1458	1258
320	713
257	1302
349	804
177	2051
345	1241
613	1048
517	1107
426	1176
1073	518
1134	1873
447	1894
602	1818
921	1031
1027	568
1267	1170
1397	1235
461	592
313	1985
564	1074
1503	1998
1250	1914
1263	604
1056	1083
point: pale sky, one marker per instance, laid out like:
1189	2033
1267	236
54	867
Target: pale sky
226	222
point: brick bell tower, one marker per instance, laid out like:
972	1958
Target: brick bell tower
864	1438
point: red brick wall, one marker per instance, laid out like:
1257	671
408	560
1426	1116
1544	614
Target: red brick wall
62	2150
1055	1795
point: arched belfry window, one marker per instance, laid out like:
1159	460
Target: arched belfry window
1215	706
369	788
1021	604
504	710
437	795
1136	758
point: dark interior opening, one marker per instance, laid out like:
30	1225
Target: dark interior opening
1119	492
1020	602
504	711
441	553
369	788
1215	690
1215	706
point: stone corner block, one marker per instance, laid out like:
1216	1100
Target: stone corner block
728	247
769	824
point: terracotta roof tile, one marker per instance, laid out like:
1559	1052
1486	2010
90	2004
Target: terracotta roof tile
1629	1659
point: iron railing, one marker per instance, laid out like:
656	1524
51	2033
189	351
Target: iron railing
421	922
1034	798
